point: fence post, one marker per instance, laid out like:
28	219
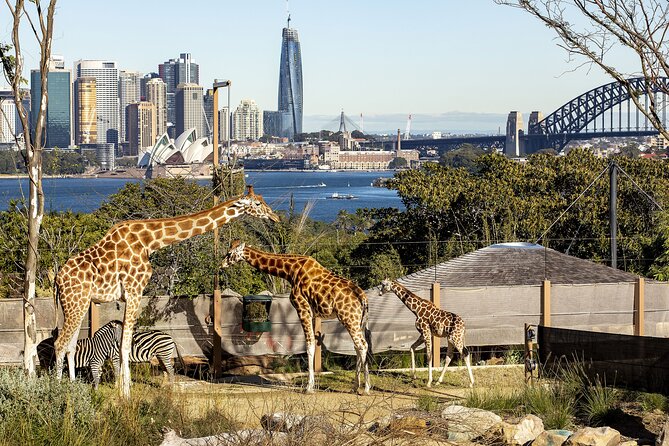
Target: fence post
546	303
436	344
639	306
318	360
93	319
218	332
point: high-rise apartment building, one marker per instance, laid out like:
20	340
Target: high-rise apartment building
277	123
247	121
290	80
224	125
129	83
9	122
189	109
208	104
85	111
107	102
141	124
142	84
156	93
58	123
173	72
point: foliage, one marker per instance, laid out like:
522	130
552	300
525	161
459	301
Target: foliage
464	156
553	403
398	163
450	211
598	403
653	401
428	403
59	162
256	311
495	399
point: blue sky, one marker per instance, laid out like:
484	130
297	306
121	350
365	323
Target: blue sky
454	65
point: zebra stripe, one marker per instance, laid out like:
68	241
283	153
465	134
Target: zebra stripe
92	352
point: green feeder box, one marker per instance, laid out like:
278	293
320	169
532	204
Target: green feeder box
255	313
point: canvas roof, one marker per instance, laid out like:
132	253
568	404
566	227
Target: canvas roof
508	264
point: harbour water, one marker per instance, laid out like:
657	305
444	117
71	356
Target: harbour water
276	187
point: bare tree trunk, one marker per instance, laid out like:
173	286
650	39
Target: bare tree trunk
42	29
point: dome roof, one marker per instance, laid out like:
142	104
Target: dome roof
186	149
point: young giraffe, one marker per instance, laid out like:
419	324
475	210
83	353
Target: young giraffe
118	268
431	320
315	292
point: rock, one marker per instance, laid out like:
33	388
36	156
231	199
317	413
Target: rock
663	437
629	443
466	423
239	438
523	432
591	436
281	422
553	437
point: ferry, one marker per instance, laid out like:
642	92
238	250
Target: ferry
338	196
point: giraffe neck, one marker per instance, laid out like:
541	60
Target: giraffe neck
285	266
411	301
166	231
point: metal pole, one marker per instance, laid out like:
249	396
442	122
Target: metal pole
613	218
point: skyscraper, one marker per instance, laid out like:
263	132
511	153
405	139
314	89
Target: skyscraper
10	124
157	95
141	123
173	72
128	93
107	103
189	108
290	80
58	123
85	111
247	121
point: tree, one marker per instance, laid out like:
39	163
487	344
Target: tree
398	163
464	156
42	29
593	29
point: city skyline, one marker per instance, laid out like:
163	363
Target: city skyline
438	60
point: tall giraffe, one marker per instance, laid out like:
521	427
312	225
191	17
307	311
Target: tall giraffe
431	320
315	292
118	268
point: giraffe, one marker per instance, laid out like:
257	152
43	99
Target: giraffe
431	320
315	292
118	268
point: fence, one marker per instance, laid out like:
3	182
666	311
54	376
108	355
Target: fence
634	362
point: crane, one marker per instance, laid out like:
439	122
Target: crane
407	132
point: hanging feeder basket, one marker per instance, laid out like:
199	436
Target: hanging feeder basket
255	313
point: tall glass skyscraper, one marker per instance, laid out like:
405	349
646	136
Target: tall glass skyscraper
58	125
290	80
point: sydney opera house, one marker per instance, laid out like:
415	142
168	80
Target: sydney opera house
187	155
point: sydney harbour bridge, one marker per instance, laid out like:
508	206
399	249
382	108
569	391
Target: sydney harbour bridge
605	111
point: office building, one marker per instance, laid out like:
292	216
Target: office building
107	98
57	130
189	109
276	123
156	93
290	81
142	84
128	93
247	121
223	124
85	111
173	72
141	125
10	123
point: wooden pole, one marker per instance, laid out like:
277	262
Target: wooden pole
217	287
94	319
639	306
318	359
546	303
436	344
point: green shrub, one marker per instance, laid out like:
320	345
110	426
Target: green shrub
496	400
653	401
428	403
598	402
552	402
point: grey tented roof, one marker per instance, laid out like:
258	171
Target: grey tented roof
508	264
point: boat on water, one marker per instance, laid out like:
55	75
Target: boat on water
322	184
338	196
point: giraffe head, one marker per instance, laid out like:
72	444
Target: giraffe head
255	206
234	255
386	286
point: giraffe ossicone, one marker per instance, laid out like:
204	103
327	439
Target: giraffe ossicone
315	292
431	320
118	268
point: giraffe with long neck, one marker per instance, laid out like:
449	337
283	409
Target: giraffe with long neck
315	292
118	268
431	320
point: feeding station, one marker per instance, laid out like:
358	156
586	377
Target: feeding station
255	313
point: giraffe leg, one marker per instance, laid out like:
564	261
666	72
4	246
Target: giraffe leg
468	361
67	339
413	348
428	353
447	361
306	320
357	334
131	313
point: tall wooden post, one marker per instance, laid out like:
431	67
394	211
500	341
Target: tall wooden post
436	340
217	287
93	319
546	303
318	358
639	306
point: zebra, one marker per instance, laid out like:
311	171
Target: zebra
92	352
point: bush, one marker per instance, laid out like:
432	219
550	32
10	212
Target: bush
653	401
